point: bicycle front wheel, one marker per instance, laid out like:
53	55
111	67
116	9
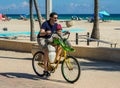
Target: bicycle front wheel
70	69
38	63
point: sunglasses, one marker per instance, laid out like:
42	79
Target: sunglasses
55	17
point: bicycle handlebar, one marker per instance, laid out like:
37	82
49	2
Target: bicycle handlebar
62	42
65	32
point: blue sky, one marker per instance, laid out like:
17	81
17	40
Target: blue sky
60	6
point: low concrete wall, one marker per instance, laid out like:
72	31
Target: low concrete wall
97	53
16	45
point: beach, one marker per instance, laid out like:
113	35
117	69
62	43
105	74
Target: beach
109	31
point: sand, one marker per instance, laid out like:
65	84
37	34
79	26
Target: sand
109	31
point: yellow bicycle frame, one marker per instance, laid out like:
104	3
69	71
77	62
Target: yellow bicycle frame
63	53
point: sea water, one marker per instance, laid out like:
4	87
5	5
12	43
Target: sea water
69	16
8	34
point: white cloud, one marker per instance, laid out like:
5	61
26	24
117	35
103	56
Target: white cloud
77	5
74	5
86	5
71	4
13	6
25	4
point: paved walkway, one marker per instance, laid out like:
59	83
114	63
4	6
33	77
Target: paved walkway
16	72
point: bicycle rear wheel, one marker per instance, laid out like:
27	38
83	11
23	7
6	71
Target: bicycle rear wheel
70	69
38	63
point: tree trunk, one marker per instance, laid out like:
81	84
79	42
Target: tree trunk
32	34
38	13
95	32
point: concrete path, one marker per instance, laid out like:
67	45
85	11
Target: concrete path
16	72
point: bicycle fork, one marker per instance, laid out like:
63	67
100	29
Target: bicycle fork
67	61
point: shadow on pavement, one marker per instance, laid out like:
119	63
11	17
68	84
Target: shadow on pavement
29	76
20	75
15	58
99	65
57	80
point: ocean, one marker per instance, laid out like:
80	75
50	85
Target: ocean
69	16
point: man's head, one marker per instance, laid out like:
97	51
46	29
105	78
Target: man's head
53	17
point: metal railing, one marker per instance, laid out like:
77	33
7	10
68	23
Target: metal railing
88	40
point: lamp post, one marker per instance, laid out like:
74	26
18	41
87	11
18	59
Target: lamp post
38	12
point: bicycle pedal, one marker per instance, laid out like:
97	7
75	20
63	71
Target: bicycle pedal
56	61
40	63
51	68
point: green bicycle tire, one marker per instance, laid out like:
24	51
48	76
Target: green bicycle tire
66	71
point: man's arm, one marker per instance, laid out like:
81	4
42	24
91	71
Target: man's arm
59	32
43	32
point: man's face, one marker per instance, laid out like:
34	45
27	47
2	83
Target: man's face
54	18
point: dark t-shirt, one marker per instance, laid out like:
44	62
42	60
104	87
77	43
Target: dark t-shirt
47	26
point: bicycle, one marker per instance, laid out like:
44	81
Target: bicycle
70	67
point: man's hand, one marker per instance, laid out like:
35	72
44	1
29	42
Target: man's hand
48	32
66	32
55	36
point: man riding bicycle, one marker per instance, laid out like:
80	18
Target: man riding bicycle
48	27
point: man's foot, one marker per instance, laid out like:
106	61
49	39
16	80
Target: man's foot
46	73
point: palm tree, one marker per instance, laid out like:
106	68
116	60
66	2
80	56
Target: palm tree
95	32
32	35
38	13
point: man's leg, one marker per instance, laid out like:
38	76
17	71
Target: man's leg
45	58
44	48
